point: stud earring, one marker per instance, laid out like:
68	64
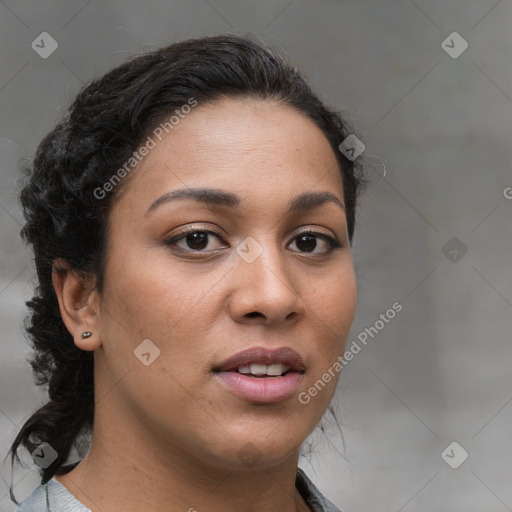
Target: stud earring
86	334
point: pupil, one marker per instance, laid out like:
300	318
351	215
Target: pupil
310	242
197	240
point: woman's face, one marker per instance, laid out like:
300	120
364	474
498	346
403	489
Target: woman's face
246	277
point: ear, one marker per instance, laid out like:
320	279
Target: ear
78	303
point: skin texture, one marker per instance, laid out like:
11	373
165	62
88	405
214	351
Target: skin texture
170	433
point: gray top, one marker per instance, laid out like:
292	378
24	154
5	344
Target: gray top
54	497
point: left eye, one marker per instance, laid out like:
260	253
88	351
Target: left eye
197	240
308	241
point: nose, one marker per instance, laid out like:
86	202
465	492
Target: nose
264	290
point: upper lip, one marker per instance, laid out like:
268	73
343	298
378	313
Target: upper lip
262	355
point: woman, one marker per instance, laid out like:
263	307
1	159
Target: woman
192	220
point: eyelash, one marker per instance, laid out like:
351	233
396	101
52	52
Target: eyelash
332	242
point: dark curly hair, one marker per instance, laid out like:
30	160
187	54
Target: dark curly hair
109	119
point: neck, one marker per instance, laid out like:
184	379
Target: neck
127	468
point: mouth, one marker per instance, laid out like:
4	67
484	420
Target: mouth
262	375
264	370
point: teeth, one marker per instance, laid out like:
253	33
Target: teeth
258	369
273	370
276	369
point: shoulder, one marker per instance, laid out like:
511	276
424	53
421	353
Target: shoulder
54	497
51	497
312	496
36	502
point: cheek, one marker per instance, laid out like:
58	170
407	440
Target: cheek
333	300
346	297
332	308
167	304
152	301
151	295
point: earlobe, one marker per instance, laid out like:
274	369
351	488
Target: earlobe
77	304
87	341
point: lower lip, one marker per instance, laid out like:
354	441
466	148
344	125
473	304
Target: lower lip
261	389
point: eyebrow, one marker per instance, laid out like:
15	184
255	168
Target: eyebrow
212	196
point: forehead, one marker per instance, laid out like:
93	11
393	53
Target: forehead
245	145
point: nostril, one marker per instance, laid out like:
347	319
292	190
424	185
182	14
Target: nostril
254	313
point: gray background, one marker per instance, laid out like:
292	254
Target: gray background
440	371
